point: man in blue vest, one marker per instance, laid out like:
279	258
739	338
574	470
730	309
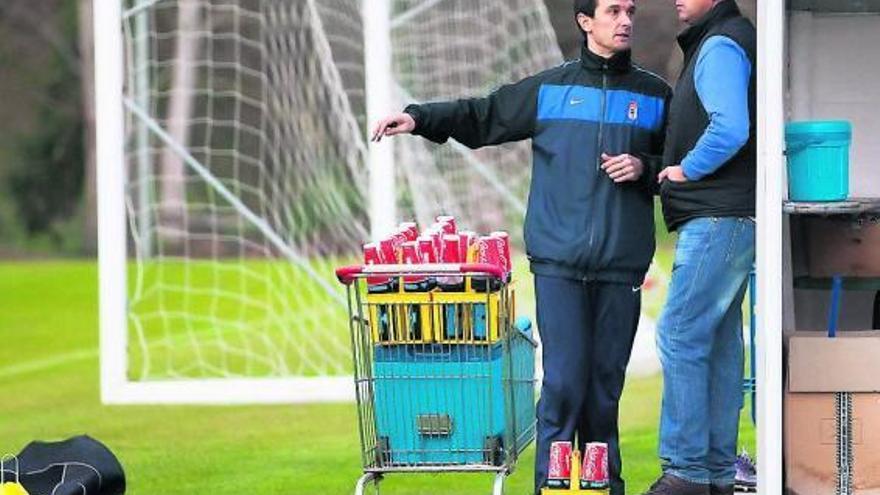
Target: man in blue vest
597	126
708	195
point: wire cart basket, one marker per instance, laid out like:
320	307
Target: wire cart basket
444	375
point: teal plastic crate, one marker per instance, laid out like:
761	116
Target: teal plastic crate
439	404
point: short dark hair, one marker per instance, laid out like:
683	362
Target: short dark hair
587	7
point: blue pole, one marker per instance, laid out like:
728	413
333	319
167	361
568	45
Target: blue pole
752	365
836	288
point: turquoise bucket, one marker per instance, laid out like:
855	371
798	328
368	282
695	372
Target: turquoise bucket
818	159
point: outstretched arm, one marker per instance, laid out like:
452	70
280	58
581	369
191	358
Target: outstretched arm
392	125
507	114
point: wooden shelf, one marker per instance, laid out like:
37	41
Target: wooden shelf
836	6
852	206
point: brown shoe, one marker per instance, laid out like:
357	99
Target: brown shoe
720	489
673	485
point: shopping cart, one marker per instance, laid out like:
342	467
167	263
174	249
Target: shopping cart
444	377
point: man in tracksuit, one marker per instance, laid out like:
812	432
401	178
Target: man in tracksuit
708	195
595	124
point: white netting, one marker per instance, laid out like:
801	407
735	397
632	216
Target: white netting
454	48
247	176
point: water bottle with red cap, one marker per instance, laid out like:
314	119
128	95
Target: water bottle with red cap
451	283
414	283
380	285
410	229
447	224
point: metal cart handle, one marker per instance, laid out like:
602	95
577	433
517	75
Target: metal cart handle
347	274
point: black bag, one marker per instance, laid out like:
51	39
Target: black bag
78	466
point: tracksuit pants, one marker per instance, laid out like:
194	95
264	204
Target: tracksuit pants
587	331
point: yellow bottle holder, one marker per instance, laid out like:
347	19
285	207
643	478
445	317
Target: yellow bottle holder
465	317
401	317
468	317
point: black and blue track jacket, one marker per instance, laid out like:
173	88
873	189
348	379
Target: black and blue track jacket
579	223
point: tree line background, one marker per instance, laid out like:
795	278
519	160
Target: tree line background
47	170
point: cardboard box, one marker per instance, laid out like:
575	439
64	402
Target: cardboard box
817	368
842	246
848	363
811	444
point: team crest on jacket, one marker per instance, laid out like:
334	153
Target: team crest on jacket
633	111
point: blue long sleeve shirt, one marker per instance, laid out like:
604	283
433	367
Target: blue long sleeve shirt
721	77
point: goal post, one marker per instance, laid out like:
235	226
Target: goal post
110	158
235	174
379	85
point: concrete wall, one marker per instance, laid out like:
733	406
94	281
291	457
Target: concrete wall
835	74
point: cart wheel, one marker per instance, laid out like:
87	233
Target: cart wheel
493	451
366	478
498	486
383	452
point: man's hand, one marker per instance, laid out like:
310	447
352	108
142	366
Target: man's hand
673	173
622	168
398	123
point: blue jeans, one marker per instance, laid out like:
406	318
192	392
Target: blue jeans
699	339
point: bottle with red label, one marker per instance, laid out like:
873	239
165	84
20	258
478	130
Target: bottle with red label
389	250
559	465
380	285
427	249
490	250
428	253
466	240
447	224
506	259
436	237
410	229
452	314
451	253
373	256
410	255
398	238
594	474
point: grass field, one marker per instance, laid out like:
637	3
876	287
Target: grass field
49	383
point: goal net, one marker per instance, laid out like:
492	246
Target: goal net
246	178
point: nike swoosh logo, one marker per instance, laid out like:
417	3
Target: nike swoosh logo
636	289
576	101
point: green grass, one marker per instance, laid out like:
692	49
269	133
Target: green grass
244	317
49	379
